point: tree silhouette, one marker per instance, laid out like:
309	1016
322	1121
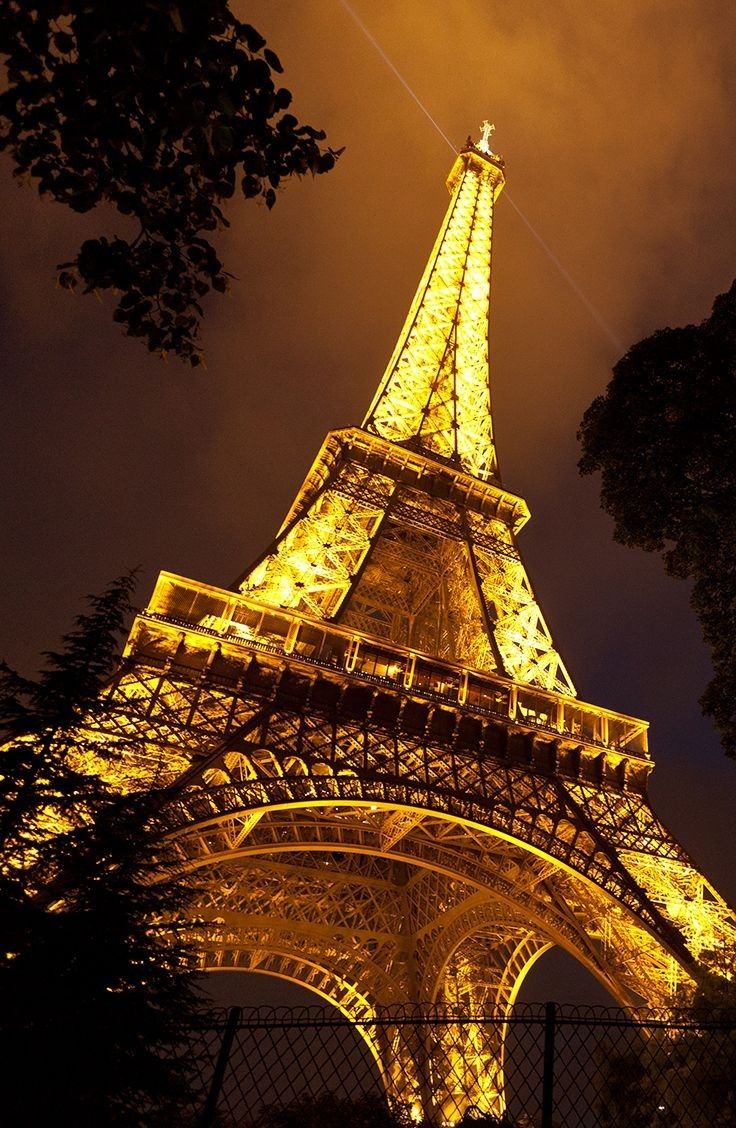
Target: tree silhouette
663	437
98	989
163	109
366	1111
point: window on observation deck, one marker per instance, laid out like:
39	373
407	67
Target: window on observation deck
535	709
334	650
436	679
377	663
484	695
310	641
246	622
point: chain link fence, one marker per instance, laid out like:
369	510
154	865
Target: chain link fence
545	1066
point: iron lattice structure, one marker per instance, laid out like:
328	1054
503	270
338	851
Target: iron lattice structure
383	785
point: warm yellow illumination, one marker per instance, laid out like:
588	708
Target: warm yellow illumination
435	389
409	564
384	786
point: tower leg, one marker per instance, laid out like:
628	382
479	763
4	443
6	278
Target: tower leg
450	1066
437	1069
468	1068
407	1049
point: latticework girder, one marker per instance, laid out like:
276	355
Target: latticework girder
316	558
282	740
439	575
371	846
380	783
435	390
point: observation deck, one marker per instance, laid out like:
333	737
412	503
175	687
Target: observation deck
219	632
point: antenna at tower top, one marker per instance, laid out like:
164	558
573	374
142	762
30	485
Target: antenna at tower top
487	128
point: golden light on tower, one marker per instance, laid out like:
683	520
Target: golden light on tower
435	390
386	787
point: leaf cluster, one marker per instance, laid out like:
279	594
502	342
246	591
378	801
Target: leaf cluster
674	1077
98	989
330	1111
41	785
163	109
663	437
366	1111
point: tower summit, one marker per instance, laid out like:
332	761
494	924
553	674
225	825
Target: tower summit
401	529
435	393
381	783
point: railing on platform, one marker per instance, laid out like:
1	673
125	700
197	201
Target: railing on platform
237	620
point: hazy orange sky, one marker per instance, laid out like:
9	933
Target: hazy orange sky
616	121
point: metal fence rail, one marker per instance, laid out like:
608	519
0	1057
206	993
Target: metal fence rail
564	1067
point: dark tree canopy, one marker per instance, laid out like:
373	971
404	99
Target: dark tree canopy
367	1111
163	109
664	438
98	989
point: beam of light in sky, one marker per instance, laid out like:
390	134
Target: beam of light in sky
597	317
372	39
594	313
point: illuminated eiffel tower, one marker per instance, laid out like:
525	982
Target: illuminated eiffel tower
385	786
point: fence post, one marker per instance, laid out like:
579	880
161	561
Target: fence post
228	1037
548	1076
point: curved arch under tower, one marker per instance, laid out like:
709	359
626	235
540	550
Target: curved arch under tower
381	782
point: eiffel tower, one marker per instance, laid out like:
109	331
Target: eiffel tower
384	785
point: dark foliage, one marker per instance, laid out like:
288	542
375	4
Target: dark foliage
472	1118
675	1078
330	1111
163	109
37	719
367	1111
664	437
98	992
627	1094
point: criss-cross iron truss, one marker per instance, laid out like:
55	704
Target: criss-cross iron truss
380	781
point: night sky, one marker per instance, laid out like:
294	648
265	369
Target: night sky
616	122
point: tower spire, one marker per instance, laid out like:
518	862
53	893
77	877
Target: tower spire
380	783
401	530
435	394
